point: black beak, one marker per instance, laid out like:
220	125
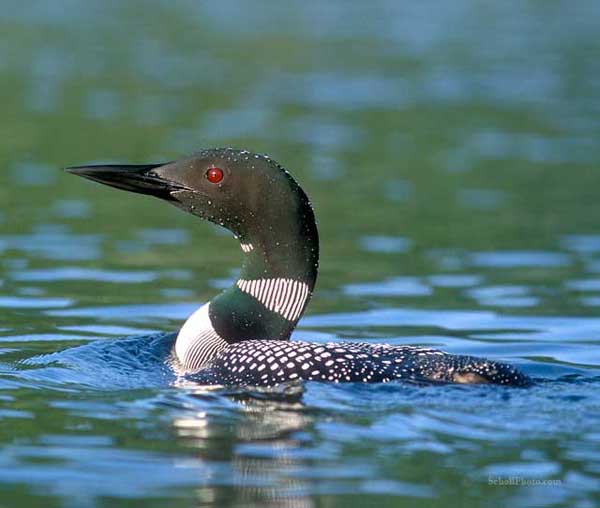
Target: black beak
135	178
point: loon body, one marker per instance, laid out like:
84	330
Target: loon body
241	336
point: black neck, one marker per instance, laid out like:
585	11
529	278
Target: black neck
281	243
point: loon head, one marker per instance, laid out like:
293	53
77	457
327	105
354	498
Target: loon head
263	206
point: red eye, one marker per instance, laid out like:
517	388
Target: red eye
214	175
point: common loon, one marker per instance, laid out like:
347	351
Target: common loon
241	336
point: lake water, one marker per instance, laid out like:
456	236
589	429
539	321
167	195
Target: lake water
451	153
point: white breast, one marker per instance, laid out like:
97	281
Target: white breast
197	341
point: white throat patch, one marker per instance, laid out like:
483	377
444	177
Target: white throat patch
284	296
247	247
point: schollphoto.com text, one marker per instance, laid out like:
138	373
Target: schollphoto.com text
506	481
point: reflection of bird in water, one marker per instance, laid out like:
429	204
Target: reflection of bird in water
241	336
256	458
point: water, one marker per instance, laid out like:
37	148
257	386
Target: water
450	150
